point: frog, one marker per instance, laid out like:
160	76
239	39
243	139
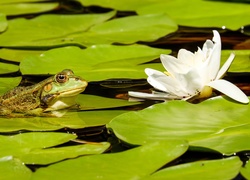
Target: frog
52	94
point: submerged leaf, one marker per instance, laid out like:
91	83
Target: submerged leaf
216	123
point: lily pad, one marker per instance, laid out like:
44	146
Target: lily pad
19	1
131	164
8	68
35	148
95	63
211	169
200	13
17	55
7	83
26	8
217	123
71	120
126	5
241	61
128	30
67	30
41	33
13	168
245	171
3	22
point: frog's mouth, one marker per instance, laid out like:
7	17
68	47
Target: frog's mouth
71	92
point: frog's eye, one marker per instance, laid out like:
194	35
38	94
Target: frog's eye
61	78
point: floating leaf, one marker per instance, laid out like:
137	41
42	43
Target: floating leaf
215	123
3	22
19	1
13	168
212	169
241	61
71	120
131	164
42	33
26	8
67	30
33	148
129	30
17	55
199	13
245	171
126	5
94	63
8	68
7	83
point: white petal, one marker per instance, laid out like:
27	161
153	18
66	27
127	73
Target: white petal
199	57
154	96
191	82
225	66
229	89
153	72
173	65
161	81
186	57
214	64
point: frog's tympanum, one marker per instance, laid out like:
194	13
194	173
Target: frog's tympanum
55	93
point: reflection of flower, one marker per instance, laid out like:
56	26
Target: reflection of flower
192	75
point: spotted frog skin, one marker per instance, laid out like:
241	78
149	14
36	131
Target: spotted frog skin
54	93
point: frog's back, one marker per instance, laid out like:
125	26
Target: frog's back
21	99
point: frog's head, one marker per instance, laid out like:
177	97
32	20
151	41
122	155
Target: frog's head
61	92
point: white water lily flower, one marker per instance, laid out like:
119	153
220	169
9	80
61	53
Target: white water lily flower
192	75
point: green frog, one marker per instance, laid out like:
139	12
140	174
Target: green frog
54	93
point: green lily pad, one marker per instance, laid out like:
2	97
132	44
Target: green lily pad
19	1
212	169
67	30
245	170
17	55
13	168
26	8
131	164
41	33
128	30
8	68
241	60
3	22
95	63
73	120
217	123
200	13
7	83
35	148
126	5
